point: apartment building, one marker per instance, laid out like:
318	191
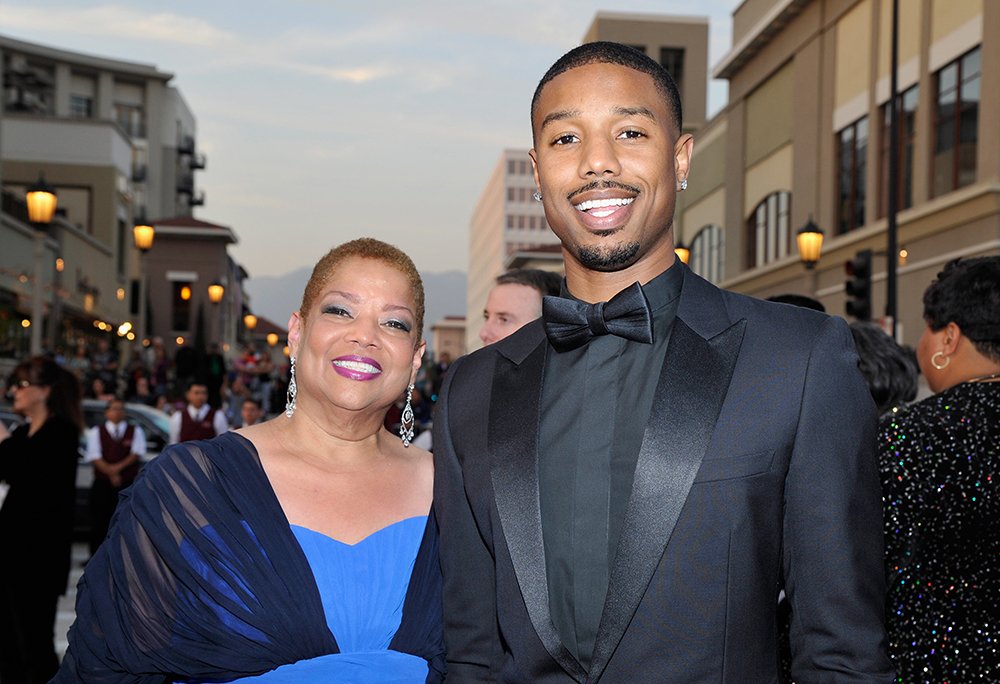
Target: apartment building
117	142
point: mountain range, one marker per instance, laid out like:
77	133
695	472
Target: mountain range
275	297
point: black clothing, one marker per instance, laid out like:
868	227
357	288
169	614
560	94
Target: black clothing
586	475
36	535
939	460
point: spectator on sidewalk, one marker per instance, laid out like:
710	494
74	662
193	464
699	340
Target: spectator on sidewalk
198	419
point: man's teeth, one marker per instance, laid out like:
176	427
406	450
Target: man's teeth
610	205
357	366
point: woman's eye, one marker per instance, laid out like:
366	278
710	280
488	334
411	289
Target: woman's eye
398	325
336	310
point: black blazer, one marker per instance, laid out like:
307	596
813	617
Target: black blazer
757	472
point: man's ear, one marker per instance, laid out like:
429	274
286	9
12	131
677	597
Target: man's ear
683	150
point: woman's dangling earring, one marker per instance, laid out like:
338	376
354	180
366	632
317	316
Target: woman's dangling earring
407	420
292	389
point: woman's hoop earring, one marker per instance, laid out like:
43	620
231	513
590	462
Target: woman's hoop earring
940	366
292	389
406	420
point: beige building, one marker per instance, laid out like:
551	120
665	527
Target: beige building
448	337
805	135
117	142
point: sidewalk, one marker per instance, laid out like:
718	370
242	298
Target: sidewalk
66	611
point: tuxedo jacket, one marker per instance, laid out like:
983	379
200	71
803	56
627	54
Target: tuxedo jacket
756	473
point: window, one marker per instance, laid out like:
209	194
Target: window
707	253
81	106
180	320
672	60
131	119
769	236
120	248
905	122
852	151
956	121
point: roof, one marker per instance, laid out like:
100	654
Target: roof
189	226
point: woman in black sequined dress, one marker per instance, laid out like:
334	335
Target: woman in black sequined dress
940	462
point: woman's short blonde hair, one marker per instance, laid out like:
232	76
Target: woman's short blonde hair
365	248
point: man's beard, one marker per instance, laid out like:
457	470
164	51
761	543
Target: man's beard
608	259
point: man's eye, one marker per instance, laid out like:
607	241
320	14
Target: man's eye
565	139
632	134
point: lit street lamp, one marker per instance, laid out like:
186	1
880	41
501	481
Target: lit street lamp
216	291
682	251
142	235
41	200
810	241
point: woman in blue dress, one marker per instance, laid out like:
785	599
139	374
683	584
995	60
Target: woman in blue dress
299	549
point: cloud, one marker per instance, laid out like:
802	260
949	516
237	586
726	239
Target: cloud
117	21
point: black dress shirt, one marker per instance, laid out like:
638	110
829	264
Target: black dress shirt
595	404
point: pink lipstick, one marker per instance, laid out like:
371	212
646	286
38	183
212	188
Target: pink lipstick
357	367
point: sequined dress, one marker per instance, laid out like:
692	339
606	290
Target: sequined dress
939	463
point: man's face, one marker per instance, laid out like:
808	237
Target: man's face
608	160
197	395
115	412
508	307
251	413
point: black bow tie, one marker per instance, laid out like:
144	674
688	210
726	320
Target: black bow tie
570	323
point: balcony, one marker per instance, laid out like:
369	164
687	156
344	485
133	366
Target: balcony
196	162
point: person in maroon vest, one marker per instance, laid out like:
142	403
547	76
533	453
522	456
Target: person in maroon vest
197	420
114	449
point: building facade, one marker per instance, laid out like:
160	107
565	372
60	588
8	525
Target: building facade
806	136
117	143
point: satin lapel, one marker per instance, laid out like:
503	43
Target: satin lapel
688	398
513	448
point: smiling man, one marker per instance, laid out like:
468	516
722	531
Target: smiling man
625	485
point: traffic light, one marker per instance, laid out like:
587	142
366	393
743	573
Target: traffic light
859	285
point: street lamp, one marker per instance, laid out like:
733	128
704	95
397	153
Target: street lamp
250	321
810	241
215	292
41	200
142	235
682	251
272	339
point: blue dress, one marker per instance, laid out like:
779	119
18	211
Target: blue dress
203	579
363	587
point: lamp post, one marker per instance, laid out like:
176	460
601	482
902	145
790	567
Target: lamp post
810	242
249	322
142	234
41	200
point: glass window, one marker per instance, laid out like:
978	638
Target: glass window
956	122
672	60
852	153
769	236
707	256
81	106
180	320
906	116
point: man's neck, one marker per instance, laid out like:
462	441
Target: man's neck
600	286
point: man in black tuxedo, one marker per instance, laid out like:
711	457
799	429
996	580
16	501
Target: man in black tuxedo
624	488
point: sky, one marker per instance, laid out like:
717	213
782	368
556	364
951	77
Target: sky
325	120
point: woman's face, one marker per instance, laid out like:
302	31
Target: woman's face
357	347
28	398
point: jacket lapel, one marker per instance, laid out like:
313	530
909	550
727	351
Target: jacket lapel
513	449
688	398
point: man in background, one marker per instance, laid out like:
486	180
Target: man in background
198	419
516	298
114	449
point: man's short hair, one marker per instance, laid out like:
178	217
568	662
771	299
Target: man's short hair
606	52
546	282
